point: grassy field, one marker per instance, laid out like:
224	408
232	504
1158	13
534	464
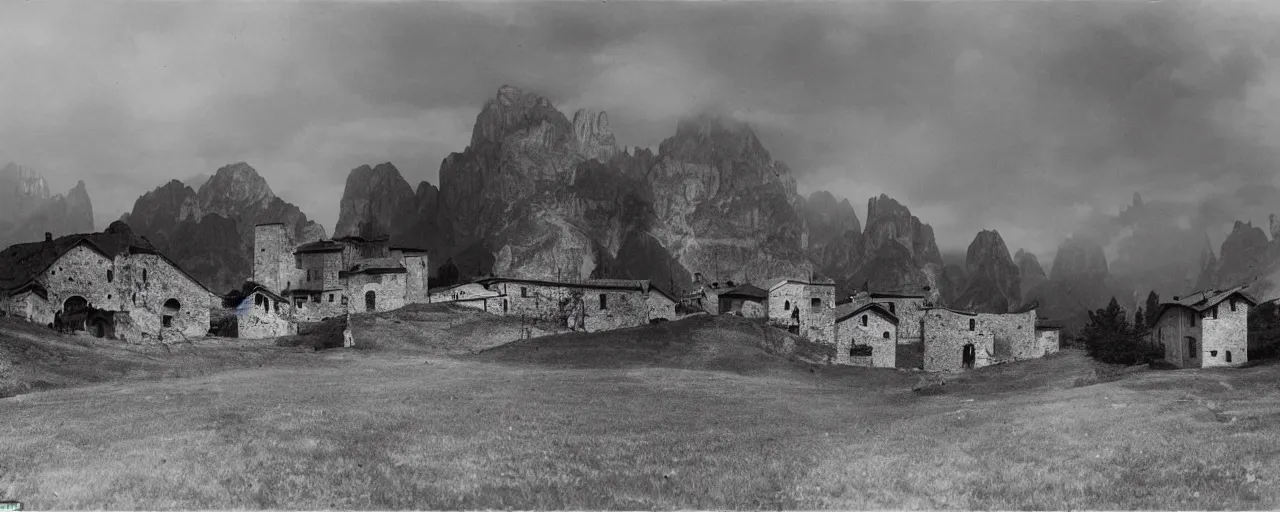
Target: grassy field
689	414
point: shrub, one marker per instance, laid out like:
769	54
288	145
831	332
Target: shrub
1110	338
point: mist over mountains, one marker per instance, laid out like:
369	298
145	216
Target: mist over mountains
540	194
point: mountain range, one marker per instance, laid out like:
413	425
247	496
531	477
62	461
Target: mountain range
539	194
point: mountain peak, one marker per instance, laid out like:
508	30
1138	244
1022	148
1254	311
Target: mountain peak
592	134
513	109
233	187
710	138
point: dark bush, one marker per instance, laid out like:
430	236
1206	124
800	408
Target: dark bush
657	320
860	350
1110	338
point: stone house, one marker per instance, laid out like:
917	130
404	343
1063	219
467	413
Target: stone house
112	284
262	313
909	308
746	300
953	341
457	292
328	278
1013	334
1206	329
803	307
866	335
1049	336
591	305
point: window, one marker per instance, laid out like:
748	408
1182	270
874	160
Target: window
1233	305
786	305
135	298
1193	319
297	302
973	324
144	276
504	305
1213	353
864	320
168	321
815	303
1215	312
524	292
1228	356
110	276
604	304
886	335
330	297
344	300
258	299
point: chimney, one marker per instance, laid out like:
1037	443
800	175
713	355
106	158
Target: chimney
48	237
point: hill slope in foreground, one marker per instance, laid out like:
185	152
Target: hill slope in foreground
689	414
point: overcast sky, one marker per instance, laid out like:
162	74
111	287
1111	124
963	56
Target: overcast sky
1023	117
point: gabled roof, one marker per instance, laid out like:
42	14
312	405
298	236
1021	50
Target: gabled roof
1205	300
956	311
599	284
406	249
849	310
318	246
776	282
747	291
23	263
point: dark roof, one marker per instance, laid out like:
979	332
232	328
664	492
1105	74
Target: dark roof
1204	300
1048	327
319	246
250	287
748	291
32	286
362	240
849	310
664	293
887	295
406	249
375	266
22	263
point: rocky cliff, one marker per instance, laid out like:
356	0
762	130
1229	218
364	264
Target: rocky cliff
209	232
28	211
1079	282
993	279
1030	273
896	252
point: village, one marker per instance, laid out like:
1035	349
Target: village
114	285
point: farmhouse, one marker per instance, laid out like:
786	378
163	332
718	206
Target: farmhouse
953	341
591	305
1049	336
909	308
1205	329
261	313
803	307
746	300
328	278
113	284
866	335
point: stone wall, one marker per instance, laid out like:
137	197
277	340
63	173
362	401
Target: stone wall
945	334
910	312
388	290
306	310
273	260
461	292
416	280
155	282
1229	333
267	318
1015	336
782	303
1172	330
531	301
660	306
746	307
817	323
622	308
850	332
28	306
1049	342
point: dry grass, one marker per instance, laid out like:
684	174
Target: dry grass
678	415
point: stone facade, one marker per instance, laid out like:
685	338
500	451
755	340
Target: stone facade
1205	335
601	304
910	312
805	308
460	292
1014	335
952	341
1049	339
124	291
867	326
262	315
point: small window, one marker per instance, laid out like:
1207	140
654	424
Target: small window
886	335
504	305
1233	305
297	302
973	324
524	292
258	299
1215	312
1213	353
330	297
110	276
144	276
344	300
1228	356
604	303
168	321
135	298
815	303
864	320
53	272
786	305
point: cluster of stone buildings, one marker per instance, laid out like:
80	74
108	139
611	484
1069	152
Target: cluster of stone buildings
111	284
1205	329
115	284
867	329
590	305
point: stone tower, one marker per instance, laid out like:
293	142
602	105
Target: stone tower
272	256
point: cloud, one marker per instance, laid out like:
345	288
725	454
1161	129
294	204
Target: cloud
978	115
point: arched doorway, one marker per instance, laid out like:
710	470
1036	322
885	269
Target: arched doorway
75	310
171	309
968	356
370	300
99	327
